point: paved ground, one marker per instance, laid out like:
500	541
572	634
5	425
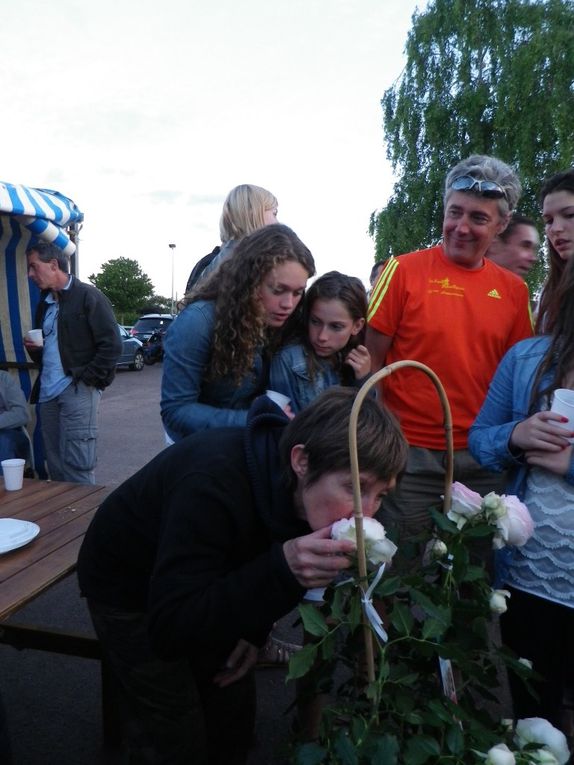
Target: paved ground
53	701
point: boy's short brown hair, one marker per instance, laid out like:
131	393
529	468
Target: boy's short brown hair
323	429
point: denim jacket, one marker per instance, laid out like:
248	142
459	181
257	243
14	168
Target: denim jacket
506	405
189	401
290	375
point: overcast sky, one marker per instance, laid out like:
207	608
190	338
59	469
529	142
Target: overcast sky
147	113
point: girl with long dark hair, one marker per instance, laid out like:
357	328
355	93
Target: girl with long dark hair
330	349
516	431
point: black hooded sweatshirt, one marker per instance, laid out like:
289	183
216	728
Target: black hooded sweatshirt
194	542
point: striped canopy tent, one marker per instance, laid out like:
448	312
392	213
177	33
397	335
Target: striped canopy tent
28	215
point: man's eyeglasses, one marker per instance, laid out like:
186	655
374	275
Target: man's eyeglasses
488	189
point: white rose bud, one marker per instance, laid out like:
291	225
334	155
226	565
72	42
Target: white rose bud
435	550
497	601
526	662
438	549
378	549
494	506
537	730
500	755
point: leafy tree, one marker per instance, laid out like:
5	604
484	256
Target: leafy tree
157	304
482	76
125	285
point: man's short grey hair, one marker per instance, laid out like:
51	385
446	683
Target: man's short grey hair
485	168
46	251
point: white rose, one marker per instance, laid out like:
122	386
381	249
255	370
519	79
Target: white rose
500	755
465	504
378	549
536	730
497	601
515	527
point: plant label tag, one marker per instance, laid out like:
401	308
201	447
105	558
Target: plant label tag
447	679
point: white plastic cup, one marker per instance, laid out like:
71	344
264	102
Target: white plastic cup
35	336
278	398
563	403
13	474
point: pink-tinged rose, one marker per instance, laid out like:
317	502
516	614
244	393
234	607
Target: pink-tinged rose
515	527
378	549
465	504
500	755
537	730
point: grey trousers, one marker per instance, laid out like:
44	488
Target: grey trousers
70	430
406	509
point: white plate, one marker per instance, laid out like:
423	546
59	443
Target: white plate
15	533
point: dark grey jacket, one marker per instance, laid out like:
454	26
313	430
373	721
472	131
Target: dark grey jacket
88	337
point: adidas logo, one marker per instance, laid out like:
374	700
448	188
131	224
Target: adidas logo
494	294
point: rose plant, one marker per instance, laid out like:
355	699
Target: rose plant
436	674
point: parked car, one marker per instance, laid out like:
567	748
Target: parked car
132	355
146	325
153	347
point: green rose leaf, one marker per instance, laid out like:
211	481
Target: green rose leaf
442	522
302	661
310	754
382	750
345	749
313	620
338	604
414	718
474	532
455	739
355	611
473	573
328	646
420	749
388	586
440	613
402	619
438	709
433	629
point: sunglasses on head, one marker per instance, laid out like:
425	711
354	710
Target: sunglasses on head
488	189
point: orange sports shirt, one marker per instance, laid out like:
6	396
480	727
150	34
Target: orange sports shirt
457	321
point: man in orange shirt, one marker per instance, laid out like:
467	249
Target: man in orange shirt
457	312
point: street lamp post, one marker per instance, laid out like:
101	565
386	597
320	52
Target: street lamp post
172	248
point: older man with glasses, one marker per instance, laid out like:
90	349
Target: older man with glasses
457	312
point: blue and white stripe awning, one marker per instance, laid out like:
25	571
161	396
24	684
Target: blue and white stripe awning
45	213
27	215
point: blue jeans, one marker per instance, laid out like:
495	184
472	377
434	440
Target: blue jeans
70	430
13	444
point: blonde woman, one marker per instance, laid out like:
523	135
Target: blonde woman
246	209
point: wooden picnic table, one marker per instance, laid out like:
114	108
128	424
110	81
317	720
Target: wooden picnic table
63	512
